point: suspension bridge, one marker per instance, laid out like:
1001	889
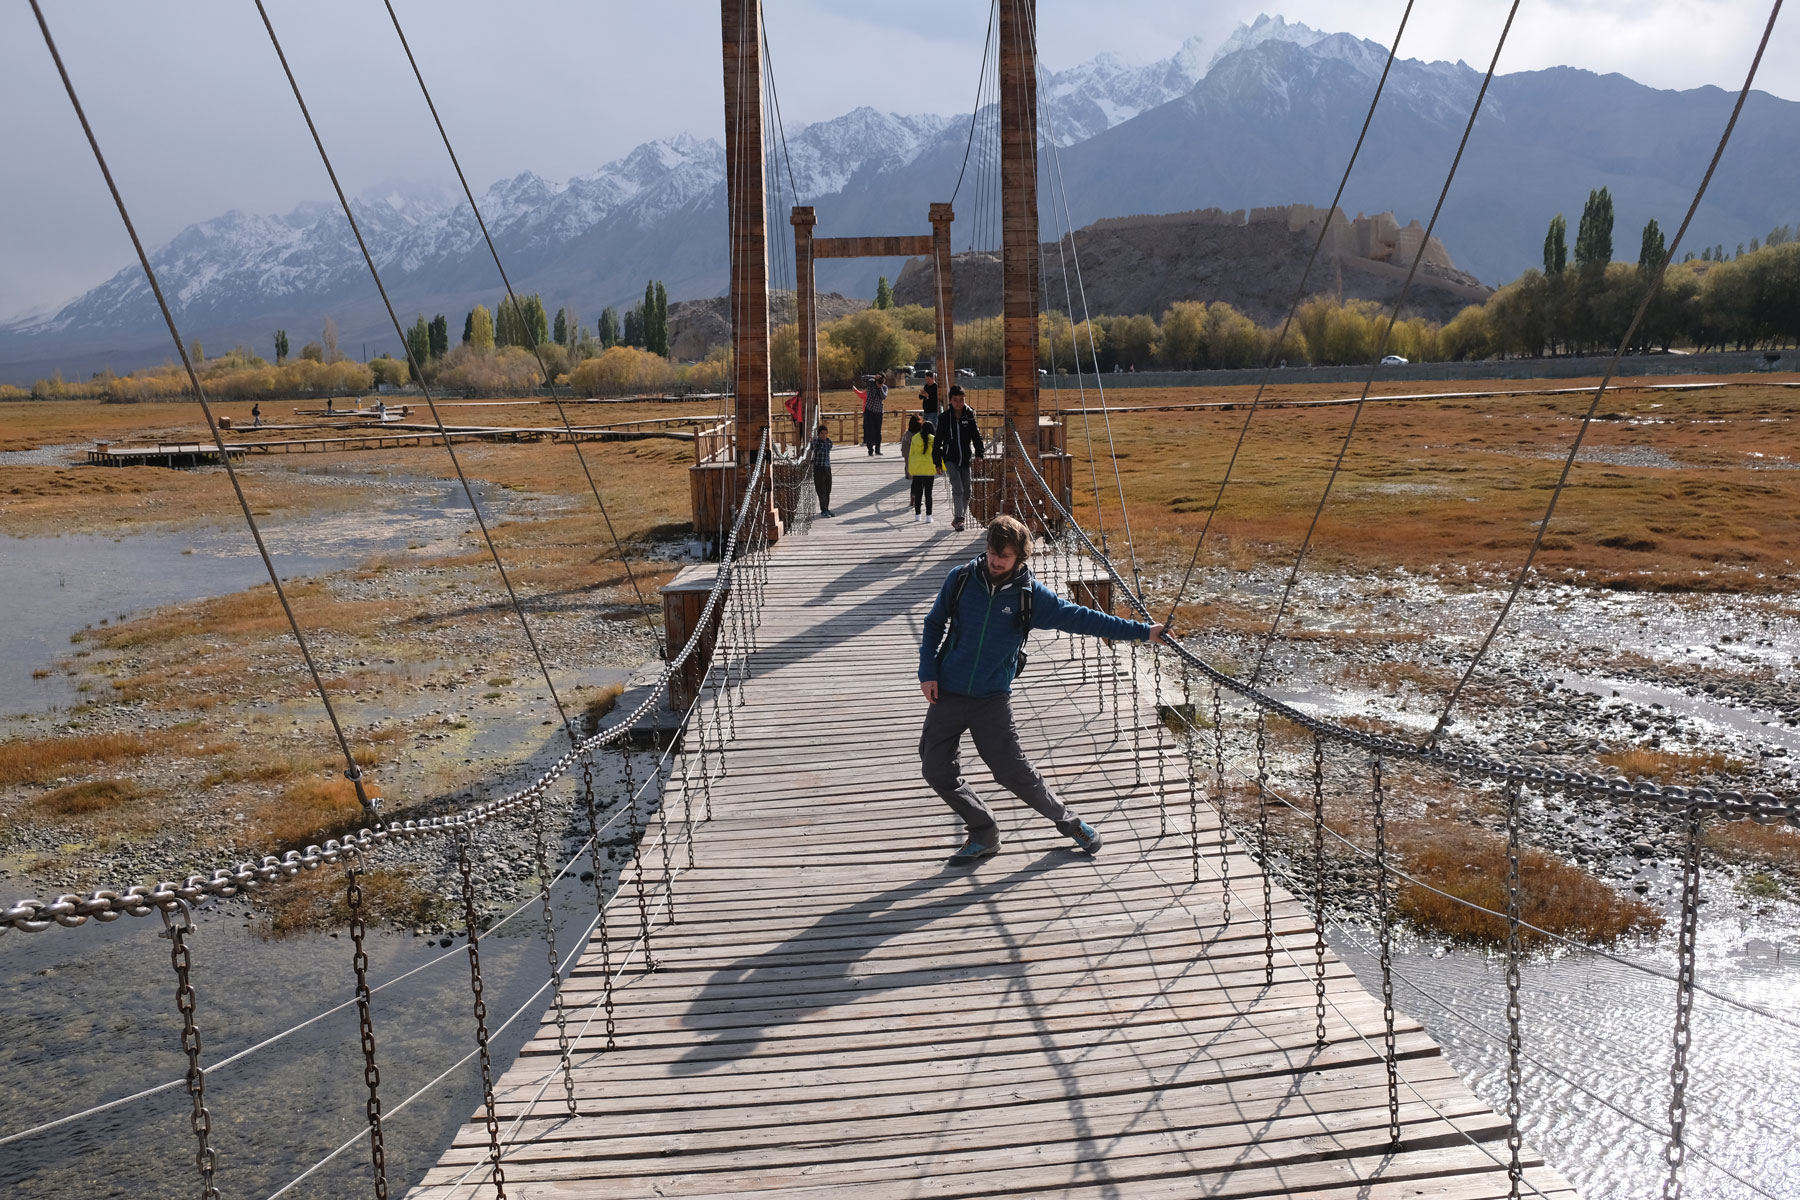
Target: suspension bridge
785	992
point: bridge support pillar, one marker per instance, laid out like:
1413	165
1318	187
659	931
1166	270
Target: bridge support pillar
807	314
943	216
1019	233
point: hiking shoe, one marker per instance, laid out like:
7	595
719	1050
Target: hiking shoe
1086	837
974	850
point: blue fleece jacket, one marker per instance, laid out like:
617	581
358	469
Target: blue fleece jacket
983	654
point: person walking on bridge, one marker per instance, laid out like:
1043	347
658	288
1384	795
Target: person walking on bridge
972	650
958	445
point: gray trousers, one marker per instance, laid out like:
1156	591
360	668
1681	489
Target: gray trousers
959	489
989	720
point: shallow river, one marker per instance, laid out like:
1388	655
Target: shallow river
53	587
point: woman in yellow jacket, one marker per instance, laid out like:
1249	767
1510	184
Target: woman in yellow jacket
916	453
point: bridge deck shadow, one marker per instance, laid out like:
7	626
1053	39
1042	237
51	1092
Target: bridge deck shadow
836	1013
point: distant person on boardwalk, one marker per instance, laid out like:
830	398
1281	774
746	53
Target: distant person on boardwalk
921	465
821	455
958	445
256	416
972	649
928	401
874	394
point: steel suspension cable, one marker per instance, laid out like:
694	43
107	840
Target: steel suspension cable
980	81
780	129
419	371
1337	466
352	771
1293	309
1587	420
530	330
1068	223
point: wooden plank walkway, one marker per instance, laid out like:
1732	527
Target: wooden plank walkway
836	1013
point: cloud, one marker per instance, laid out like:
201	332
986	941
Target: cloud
193	112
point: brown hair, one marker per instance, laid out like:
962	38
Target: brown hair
1009	533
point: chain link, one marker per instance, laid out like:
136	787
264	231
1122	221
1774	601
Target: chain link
1384	906
366	1027
1218	715
635	829
1262	846
599	873
1676	1152
467	870
544	875
1318	849
205	1160
1515	1141
1193	770
664	771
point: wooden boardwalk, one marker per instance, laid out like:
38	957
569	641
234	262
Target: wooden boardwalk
836	1013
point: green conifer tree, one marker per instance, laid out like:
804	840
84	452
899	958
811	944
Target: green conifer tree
1556	246
1594	240
662	320
468	327
440	336
281	346
609	327
884	294
1653	250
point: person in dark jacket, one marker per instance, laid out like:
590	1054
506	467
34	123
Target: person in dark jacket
874	394
958	445
967	662
821	459
928	402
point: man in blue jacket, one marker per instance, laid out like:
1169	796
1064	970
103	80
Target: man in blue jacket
970	654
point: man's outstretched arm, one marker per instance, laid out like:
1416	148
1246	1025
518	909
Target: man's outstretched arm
1053	612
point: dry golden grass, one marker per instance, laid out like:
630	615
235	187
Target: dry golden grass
597	704
307	810
84	799
1668	766
37	760
1746	842
1471	864
320	900
1444	485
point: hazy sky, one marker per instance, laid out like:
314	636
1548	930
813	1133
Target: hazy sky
196	119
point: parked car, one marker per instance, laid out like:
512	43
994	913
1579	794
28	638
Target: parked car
922	367
966	372
1393	360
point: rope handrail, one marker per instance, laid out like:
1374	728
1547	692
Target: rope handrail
105	904
1761	807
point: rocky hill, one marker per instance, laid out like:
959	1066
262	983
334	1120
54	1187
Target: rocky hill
696	326
1251	260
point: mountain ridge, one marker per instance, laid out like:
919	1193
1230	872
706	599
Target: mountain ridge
1264	122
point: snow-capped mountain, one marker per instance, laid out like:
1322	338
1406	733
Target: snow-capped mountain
1263	120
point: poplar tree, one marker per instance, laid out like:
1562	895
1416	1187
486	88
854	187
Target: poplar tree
1594	239
1556	246
1653	250
884	294
418	344
609	327
468	328
662	320
561	328
281	346
440	336
481	329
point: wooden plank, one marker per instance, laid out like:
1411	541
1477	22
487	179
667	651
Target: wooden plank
894	246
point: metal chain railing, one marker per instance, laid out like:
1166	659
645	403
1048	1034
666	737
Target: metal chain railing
541	855
365	1022
1676	1152
176	926
1318	865
107	904
1384	915
599	879
1762	807
1515	1141
470	914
